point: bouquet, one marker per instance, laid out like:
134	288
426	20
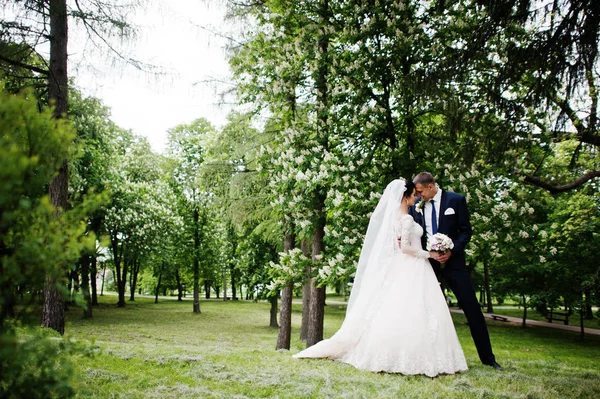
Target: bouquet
440	243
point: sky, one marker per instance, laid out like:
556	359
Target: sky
176	36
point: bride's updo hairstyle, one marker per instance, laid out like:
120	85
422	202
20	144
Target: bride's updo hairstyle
410	187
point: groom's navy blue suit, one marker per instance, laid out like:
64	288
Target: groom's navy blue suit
454	222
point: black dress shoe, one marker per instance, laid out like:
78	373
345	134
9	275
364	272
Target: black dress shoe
495	365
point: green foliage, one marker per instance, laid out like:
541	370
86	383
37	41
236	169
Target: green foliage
37	364
34	242
291	269
33	144
34	239
254	255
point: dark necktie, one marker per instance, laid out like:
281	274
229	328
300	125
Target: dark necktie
434	226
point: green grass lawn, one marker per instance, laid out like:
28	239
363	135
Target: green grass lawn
163	350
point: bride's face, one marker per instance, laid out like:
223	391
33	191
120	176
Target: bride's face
412	198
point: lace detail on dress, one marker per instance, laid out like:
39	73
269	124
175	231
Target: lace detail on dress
410	232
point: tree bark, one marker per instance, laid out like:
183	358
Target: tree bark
488	289
134	277
207	288
197	262
123	282
305	292
179	286
581	325
524	323
103	277
561	188
93	284
157	287
53	310
120	275
233	284
224	284
273	312
587	305
285	313
85	285
317	295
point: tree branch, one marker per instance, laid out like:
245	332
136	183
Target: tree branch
556	189
24	66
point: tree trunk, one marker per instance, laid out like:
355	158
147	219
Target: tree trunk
587	305
285	313
120	275
305	292
207	289
196	261
317	295
524	323
85	285
488	289
224	284
179	286
157	287
53	314
53	311
581	318
103	277
134	277
131	293
233	282
273	311
123	283
93	274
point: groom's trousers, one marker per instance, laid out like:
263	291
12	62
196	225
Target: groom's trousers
460	283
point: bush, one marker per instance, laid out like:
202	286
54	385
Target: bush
36	364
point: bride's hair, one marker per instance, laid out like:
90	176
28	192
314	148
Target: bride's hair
410	187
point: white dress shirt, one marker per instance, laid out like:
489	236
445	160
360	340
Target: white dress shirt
428	208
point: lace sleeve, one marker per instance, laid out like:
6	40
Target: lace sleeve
408	245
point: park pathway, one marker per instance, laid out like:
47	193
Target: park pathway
537	323
510	319
499	315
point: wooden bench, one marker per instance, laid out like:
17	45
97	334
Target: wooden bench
499	318
558	316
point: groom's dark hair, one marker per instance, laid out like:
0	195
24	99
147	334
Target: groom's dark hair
424	178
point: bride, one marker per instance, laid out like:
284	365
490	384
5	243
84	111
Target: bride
397	319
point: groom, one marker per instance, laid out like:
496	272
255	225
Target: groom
446	212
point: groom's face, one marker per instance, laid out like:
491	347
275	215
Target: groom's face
425	191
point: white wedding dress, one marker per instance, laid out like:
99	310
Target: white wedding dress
399	323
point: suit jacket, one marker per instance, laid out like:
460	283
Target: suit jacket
454	222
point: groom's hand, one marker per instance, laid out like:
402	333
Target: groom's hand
443	258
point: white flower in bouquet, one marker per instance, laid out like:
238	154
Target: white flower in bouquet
440	243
